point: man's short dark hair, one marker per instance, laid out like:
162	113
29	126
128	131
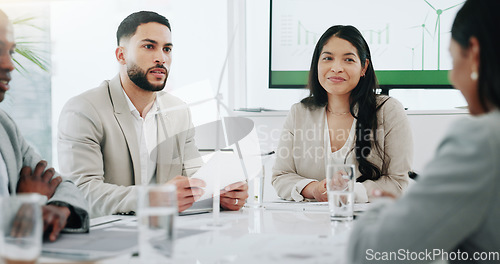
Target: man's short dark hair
128	26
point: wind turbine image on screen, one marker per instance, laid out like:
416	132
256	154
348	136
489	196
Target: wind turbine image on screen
389	26
425	31
439	12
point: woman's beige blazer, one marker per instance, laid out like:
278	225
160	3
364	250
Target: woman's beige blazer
301	152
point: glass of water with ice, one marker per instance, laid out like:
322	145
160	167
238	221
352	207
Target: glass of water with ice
340	187
156	214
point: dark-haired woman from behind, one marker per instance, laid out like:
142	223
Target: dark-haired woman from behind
452	212
343	121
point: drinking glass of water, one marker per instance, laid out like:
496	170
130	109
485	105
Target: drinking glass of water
156	214
340	187
21	228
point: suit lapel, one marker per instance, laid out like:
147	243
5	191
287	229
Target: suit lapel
124	118
10	162
9	157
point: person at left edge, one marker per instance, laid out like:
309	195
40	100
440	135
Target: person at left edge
129	132
21	168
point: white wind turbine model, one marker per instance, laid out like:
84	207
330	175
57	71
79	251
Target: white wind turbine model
228	131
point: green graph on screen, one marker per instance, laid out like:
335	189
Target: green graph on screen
409	41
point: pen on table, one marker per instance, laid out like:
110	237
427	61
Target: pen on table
268	153
107	222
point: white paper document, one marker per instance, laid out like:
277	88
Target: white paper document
223	169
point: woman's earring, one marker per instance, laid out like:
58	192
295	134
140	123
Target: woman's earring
474	76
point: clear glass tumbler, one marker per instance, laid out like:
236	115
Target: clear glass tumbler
340	187
156	213
22	228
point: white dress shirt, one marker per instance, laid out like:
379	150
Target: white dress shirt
146	130
346	155
4	178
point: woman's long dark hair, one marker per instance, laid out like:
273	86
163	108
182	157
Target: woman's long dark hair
363	96
480	19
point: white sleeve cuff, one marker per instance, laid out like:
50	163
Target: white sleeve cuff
360	195
297	189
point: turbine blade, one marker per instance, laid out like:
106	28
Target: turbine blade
223	106
226	59
437	22
195	103
430	5
452	6
428	32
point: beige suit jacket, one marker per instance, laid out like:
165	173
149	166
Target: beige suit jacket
98	147
300	157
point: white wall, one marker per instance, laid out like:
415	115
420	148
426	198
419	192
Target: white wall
429	128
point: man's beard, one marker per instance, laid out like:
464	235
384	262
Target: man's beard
139	77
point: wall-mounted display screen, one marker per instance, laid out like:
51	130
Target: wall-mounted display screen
408	40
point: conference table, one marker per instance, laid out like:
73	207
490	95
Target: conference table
264	233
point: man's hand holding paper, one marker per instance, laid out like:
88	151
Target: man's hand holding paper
188	191
224	172
233	196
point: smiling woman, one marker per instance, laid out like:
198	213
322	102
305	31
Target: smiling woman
342	101
339	67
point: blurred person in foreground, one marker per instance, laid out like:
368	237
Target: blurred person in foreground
21	168
452	212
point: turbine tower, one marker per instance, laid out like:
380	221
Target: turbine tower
439	12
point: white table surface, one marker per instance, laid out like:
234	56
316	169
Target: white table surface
253	235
